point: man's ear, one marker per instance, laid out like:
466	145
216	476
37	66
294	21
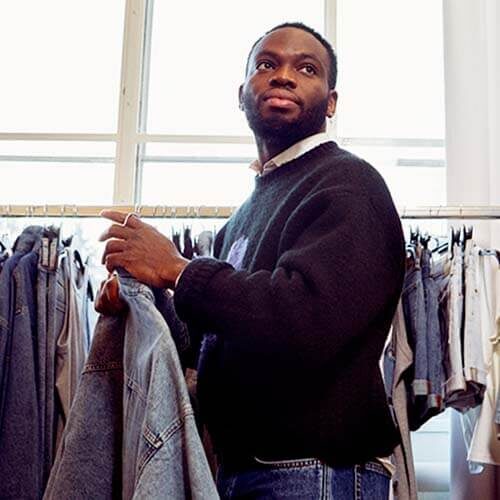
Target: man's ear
240	97
332	103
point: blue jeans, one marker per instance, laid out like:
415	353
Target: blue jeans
413	301
434	357
307	479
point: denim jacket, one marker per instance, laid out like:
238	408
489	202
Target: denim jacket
20	447
131	431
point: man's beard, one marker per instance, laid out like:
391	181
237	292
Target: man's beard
278	130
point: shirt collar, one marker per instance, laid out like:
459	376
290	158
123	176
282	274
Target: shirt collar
293	152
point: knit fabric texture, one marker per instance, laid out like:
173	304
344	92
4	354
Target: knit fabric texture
298	302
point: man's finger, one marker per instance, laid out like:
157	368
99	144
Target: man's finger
114	215
113	246
129	219
132	220
114	260
116	231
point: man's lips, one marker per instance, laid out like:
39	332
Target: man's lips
281	99
278	102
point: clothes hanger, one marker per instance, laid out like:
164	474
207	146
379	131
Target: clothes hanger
424	239
491	252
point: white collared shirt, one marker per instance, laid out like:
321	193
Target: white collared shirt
298	149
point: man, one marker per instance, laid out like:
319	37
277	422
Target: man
298	302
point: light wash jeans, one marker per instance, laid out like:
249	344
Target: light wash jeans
306	479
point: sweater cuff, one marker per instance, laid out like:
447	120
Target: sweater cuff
192	283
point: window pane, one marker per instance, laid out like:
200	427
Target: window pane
33	183
248	151
61	65
57	148
198	57
198	184
411	182
391	76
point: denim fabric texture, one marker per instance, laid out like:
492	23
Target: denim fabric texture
434	403
20	450
131	431
88	460
163	457
413	301
19	462
4	255
305	479
51	307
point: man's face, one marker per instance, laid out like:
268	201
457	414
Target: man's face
286	95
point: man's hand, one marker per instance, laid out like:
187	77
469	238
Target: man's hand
141	250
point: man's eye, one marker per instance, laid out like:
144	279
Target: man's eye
264	65
309	69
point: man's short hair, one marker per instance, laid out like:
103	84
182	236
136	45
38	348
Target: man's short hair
332	74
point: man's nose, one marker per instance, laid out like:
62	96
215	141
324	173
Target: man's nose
283	76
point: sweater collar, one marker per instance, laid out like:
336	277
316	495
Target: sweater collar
293	152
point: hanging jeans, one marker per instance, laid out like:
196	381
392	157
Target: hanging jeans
435	375
413	301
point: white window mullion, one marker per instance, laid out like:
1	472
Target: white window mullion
126	147
331	27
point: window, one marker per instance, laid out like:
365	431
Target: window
135	101
190	91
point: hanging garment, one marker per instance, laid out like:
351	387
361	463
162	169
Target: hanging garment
413	303
475	367
204	244
485	446
431	282
188	244
4	255
455	385
131	431
20	434
71	350
51	309
404	481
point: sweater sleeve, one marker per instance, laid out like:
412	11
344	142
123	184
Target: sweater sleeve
339	271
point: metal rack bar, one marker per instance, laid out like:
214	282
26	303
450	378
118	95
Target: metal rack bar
164	211
460	212
87	211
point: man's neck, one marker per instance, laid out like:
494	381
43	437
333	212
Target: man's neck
268	148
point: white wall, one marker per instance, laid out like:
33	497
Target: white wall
472	90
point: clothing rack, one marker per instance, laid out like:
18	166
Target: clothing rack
461	212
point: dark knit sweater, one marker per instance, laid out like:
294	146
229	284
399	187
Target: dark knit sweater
291	369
